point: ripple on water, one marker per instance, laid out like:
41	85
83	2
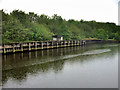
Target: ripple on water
91	52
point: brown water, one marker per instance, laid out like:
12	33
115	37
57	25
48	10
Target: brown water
90	66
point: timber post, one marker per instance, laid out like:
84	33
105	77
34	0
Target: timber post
13	47
64	43
52	44
35	45
29	46
21	46
4	49
42	45
67	43
47	44
61	43
57	44
72	43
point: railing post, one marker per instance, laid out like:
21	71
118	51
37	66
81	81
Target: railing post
75	42
57	44
21	46
13	48
47	45
42	45
61	43
72	43
79	42
64	43
67	43
4	50
84	42
29	46
35	45
52	44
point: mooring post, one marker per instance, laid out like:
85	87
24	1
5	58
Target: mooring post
29	46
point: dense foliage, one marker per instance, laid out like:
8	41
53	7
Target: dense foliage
19	26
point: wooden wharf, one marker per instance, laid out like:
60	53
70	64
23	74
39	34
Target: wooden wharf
38	45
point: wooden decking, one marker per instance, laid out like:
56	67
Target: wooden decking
38	45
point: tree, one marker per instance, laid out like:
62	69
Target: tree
101	34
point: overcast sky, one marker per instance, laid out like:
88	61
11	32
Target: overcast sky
99	10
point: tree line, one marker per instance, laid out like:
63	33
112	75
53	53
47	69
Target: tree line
19	26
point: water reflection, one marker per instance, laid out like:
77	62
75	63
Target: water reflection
18	66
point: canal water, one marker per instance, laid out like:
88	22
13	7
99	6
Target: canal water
90	66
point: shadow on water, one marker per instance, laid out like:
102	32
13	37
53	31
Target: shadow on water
19	65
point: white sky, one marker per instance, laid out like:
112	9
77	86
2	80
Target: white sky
99	10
